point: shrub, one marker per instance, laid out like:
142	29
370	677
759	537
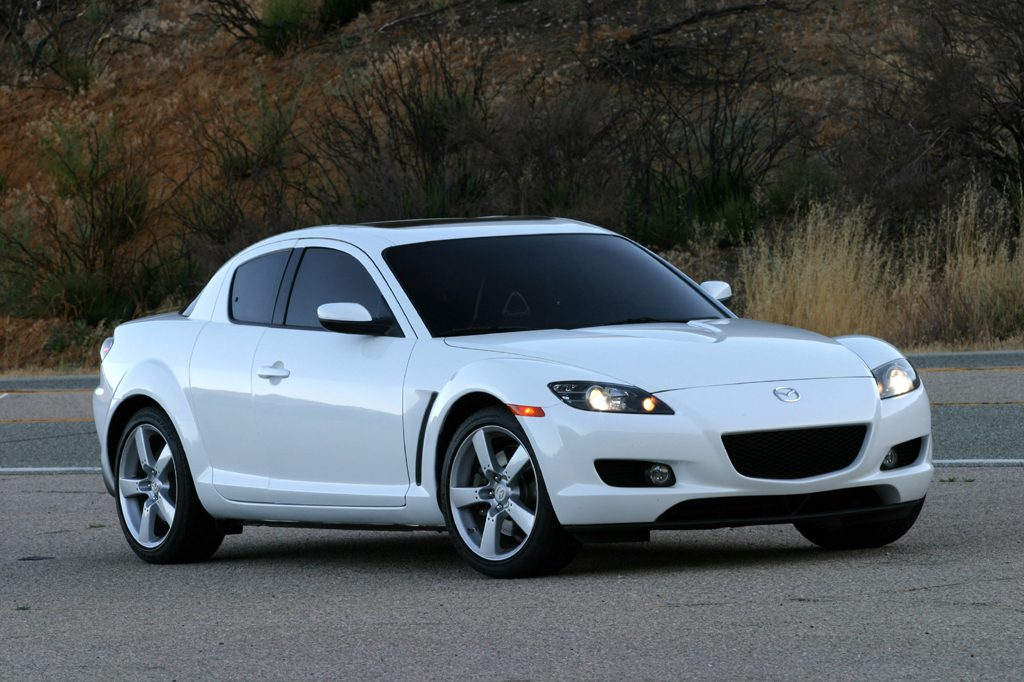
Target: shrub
239	188
340	12
70	39
77	254
707	121
245	144
403	138
282	23
76	72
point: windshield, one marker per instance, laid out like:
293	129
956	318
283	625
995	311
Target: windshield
549	281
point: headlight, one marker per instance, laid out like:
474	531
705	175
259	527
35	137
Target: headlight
895	378
587	395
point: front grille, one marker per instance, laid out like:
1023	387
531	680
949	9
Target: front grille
794	453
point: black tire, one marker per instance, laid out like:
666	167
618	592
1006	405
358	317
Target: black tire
839	534
192	534
547	546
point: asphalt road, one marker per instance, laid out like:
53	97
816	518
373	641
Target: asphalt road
946	602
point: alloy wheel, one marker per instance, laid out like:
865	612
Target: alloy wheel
147	486
493	493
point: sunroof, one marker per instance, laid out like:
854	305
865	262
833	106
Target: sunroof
455	221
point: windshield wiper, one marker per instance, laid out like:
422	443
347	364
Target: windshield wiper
494	329
638	320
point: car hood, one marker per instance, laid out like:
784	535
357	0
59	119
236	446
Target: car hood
669	356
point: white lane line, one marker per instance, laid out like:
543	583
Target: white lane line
978	462
3	395
49	470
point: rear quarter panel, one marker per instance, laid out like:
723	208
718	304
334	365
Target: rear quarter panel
149	359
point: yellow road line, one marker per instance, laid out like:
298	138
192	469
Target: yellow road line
927	370
68	420
25	391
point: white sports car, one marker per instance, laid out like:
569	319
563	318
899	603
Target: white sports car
526	384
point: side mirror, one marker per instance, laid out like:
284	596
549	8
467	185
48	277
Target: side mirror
351	318
719	290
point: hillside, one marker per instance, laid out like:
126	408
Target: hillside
141	142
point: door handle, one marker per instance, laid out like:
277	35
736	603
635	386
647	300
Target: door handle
272	373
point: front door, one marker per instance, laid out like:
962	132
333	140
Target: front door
328	406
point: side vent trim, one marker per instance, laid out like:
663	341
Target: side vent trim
423	433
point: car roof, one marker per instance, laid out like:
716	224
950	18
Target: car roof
378	236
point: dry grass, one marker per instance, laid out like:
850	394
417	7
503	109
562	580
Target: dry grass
31	346
957	283
954	285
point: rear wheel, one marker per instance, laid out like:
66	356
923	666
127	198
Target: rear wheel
494	502
849	534
160	514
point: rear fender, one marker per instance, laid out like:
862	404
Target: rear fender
157	382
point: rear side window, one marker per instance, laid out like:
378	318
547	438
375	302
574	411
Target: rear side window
329	276
254	288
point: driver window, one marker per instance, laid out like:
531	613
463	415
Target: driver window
330	276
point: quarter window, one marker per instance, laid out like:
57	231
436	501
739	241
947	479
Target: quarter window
330	276
254	288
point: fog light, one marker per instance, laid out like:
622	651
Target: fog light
892	458
660	475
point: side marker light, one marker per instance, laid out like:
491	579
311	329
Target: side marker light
526	410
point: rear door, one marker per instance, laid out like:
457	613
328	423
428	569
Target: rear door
328	406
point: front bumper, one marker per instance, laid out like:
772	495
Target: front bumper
568	442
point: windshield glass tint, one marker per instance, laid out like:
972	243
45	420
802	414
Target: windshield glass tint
552	281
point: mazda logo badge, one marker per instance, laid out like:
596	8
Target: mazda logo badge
787	394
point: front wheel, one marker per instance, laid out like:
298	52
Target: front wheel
157	505
494	502
837	534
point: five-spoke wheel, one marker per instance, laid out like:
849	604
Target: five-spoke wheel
493	492
494	500
159	511
147	486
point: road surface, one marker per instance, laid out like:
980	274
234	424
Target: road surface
945	602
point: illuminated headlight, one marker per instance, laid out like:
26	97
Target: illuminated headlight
586	395
895	378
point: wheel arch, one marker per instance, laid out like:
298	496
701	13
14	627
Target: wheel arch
120	418
155	384
489	381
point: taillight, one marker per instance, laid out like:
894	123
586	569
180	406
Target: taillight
105	347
